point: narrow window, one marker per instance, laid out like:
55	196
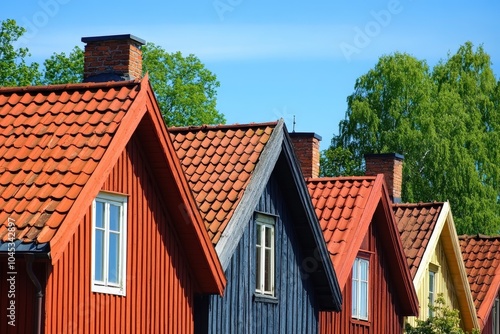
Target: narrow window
109	233
360	288
432	291
264	280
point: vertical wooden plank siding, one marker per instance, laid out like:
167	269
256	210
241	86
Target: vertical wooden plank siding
24	297
383	304
488	326
159	292
444	285
296	309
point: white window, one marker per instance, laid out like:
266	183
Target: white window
264	280
109	243
360	288
432	291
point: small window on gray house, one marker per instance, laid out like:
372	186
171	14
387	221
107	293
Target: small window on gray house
265	248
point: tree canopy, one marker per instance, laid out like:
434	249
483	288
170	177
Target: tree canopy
185	89
444	121
14	69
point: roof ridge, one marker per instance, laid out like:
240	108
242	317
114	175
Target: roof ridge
71	86
220	126
478	236
419	204
339	178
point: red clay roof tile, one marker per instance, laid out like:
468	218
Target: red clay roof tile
329	196
218	162
416	223
482	259
48	136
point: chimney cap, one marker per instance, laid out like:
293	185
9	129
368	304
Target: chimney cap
397	156
113	38
305	134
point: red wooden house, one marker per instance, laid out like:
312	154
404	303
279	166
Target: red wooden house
360	230
481	255
95	210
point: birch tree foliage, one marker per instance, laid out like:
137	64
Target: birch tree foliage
445	122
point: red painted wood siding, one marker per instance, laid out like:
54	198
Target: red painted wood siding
159	291
383	312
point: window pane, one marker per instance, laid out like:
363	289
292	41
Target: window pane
363	307
259	228
354	298
269	236
268	271
355	269
99	255
114	256
364	270
99	214
114	217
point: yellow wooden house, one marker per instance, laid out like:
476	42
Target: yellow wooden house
434	258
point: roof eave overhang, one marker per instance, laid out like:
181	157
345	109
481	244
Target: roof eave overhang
314	225
19	249
404	285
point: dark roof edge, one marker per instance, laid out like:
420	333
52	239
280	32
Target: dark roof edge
329	269
113	38
24	247
397	156
305	134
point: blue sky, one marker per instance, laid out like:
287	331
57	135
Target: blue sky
273	58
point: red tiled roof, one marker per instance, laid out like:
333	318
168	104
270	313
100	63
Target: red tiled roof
339	204
58	145
416	223
481	255
51	141
218	162
345	207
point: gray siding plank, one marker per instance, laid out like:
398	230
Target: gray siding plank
296	310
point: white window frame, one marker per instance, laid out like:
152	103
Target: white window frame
432	287
265	223
104	286
359	298
432	291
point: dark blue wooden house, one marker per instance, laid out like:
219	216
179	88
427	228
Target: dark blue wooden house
248	185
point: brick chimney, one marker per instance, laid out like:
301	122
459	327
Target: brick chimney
112	58
391	165
306	145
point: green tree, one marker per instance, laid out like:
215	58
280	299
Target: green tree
186	91
445	123
60	69
14	69
444	321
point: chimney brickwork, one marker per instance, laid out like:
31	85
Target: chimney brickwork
306	145
112	58
391	165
